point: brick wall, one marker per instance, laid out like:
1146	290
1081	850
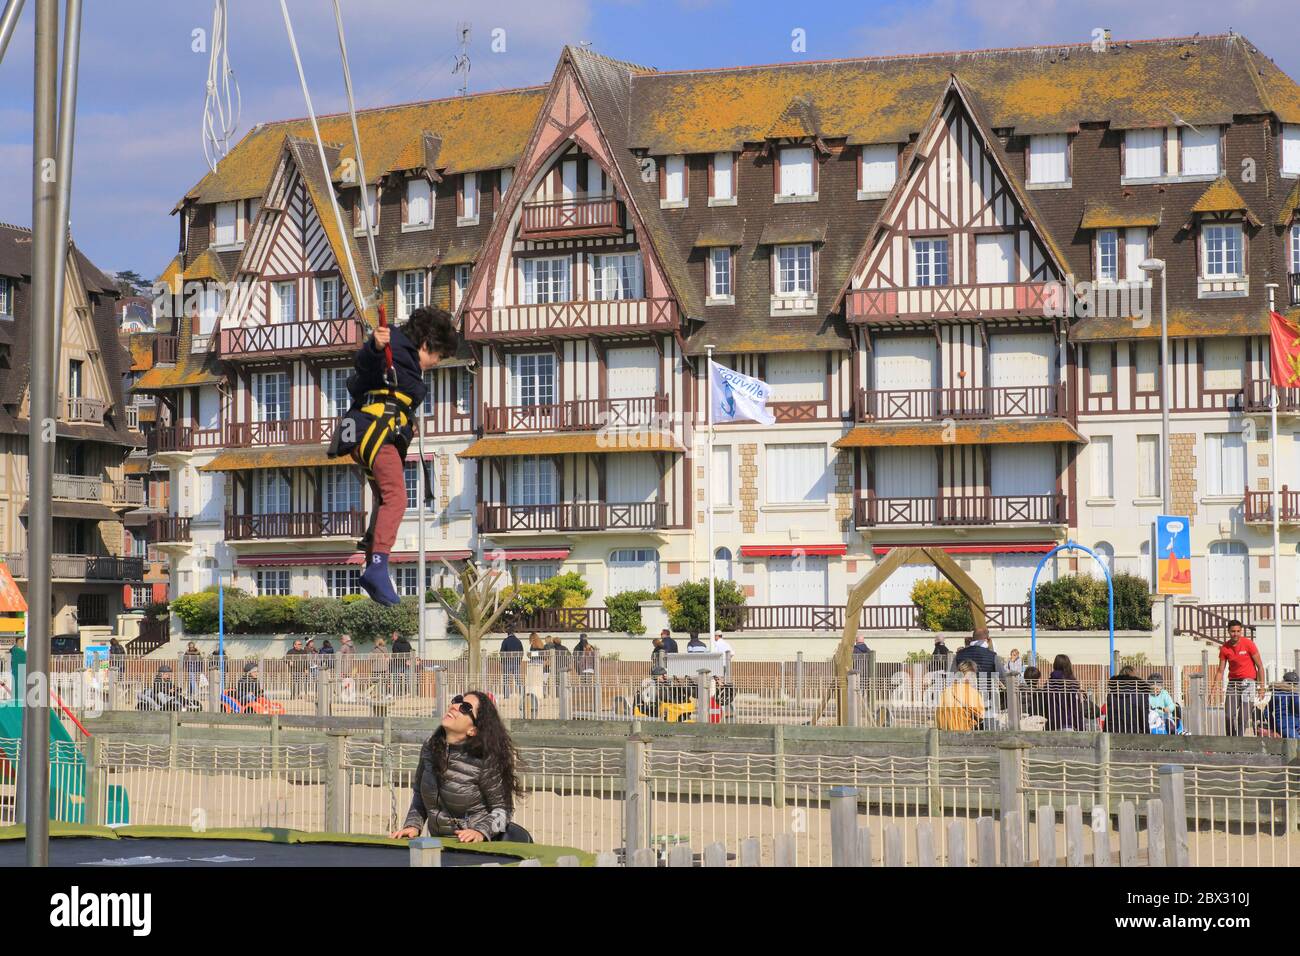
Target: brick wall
1182	475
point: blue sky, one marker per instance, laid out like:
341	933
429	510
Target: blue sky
141	102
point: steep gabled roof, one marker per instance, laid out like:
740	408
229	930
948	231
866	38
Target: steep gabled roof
1222	196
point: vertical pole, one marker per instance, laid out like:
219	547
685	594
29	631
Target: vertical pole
635	798
708	501
1011	800
1276	399
420	583
844	826
1165	377
9	20
67	132
44	329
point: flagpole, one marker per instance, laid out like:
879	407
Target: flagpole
708	505
1276	396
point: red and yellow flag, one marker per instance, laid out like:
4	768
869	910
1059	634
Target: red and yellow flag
1284	341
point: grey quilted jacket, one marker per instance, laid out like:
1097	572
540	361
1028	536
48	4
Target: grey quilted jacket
470	795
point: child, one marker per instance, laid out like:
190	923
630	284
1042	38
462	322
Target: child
1163	720
379	426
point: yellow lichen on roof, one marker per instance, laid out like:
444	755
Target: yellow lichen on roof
245	459
1100	215
207	267
1290	206
171	276
1182	324
632	440
484	131
1220	196
964	433
141	348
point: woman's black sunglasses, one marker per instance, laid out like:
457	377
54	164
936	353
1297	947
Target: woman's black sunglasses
465	707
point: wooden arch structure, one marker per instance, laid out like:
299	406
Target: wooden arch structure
859	593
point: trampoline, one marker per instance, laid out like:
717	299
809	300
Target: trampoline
159	846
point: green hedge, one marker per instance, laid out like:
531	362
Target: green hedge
691	615
1077	602
355	614
625	611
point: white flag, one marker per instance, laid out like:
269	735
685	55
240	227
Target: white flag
738	397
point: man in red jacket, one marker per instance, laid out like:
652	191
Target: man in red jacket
1245	669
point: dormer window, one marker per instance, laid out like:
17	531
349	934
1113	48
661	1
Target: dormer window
410	292
226	230
418	208
467	200
722	180
1199	150
1048	160
1221	252
794	273
796	174
1290	149
372	207
672	187
1107	255
1295	250
507	176
878	170
6	297
720	287
1144	153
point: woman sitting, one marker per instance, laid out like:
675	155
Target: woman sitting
961	707
465	785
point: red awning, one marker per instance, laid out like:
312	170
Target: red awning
1032	547
300	560
527	554
791	550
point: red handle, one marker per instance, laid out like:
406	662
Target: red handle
383	324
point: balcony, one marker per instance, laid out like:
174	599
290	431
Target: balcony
171	529
307	524
571	516
165	348
129	492
83	410
961	510
289	431
182	438
78	487
989	301
583	217
82	567
1259	397
936	404
334	335
570	319
579	415
1259	506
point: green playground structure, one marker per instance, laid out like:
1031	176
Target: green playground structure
67	770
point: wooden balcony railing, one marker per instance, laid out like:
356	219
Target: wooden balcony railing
1259	397
570	319
78	409
1259	506
168	529
289	431
569	619
176	438
572	516
935	404
78	487
961	510
324	336
587	414
164	350
580	216
127	492
994	299
307	524
81	567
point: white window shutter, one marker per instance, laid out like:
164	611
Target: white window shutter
675	181
722	176
1047	158
1143	150
1200	151
797	171
879	168
1291	149
1135	250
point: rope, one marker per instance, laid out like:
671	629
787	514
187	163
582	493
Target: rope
220	111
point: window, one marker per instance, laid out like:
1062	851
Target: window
6	297
412	293
419	202
273	582
1107	255
372	207
995	258
1200	151
461	279
596	181
674	188
341	582
335	398
1136	249
546	280
1291	150
1144	153
74	379
1225	464
1099	367
429	391
327	298
722	564
535	572
929	262
797	376
879	168
468	198
227	224
411	473
796	171
724	177
1295	250
720	274
1224	361
271	396
532	481
286	302
797	580
1147	362
270	493
532	378
507	177
1148	466
464	391
1103	483
794	270
139	547
1049	159
633	569
342	490
616	276
406	579
1227	573
721	478
1222	252
796	473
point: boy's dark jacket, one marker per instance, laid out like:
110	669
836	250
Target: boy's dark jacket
368	374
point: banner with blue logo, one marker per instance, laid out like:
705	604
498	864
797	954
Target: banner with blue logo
738	397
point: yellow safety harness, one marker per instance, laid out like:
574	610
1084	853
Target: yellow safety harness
389	413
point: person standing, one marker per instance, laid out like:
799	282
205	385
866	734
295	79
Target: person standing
670	645
346	651
512	652
297	659
192	667
696	646
1245	669
399	663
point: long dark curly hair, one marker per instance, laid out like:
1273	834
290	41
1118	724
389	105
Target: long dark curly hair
491	743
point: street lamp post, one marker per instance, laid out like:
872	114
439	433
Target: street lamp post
1152	267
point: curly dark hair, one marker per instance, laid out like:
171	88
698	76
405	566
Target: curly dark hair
492	744
432	328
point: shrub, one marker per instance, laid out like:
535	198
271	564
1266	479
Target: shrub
318	616
917	657
1074	602
692	614
198	612
668	595
274	614
1132	603
941	606
158	611
625	611
563	590
364	620
403	618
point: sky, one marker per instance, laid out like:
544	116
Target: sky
139	146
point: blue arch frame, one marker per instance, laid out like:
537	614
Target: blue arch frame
1033	601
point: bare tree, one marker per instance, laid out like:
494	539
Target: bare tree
477	607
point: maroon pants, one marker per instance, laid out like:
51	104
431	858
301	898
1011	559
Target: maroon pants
388	483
